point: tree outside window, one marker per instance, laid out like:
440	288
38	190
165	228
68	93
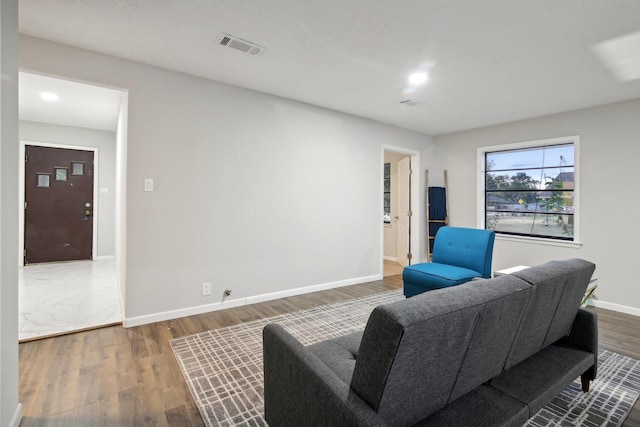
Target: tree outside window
530	191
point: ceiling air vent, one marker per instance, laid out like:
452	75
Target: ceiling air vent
410	102
243	46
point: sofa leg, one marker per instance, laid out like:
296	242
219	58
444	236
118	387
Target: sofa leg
585	383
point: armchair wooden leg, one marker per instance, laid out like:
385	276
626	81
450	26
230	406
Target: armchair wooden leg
585	383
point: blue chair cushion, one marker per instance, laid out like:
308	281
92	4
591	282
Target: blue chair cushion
432	275
465	247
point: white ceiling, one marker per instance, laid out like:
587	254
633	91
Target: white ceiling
490	61
79	104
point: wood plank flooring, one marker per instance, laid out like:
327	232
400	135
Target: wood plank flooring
128	377
391	268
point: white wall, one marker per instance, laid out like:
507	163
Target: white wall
121	197
253	192
391	230
609	192
10	409
105	142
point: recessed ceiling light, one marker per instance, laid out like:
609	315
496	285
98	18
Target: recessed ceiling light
49	96
417	78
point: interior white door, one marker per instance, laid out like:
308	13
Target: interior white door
404	211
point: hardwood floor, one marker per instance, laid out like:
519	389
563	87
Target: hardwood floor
391	268
128	377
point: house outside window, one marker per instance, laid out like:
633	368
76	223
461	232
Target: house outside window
530	190
387	193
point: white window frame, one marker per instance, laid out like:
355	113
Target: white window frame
573	139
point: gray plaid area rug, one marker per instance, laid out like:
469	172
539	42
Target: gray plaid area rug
223	369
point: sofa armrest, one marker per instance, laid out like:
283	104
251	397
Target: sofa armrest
301	390
584	336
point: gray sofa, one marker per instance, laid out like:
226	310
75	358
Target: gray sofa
485	353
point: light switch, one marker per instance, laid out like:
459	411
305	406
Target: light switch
148	184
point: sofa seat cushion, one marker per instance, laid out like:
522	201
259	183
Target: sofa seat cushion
541	377
432	275
482	407
339	354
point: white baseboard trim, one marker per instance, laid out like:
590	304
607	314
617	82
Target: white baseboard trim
309	289
616	307
221	305
17	417
389	258
103	257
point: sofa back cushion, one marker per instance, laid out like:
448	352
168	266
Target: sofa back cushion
557	289
419	354
469	248
496	326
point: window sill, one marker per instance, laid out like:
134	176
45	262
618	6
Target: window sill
539	241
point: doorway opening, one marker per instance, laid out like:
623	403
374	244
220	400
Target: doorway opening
72	188
400	225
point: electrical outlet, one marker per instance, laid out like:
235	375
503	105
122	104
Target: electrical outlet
206	289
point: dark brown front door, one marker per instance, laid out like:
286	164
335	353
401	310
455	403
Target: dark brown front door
58	212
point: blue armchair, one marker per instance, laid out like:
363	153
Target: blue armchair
459	255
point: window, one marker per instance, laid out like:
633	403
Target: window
530	189
61	173
44	180
387	193
77	168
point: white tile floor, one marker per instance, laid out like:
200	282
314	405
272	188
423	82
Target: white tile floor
64	297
